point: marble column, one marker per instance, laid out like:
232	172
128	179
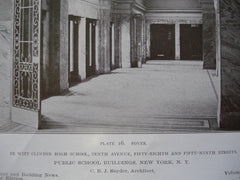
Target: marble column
116	18
82	49
140	38
218	45
58	43
144	49
209	34
63	67
45	50
54	47
125	41
104	36
136	40
133	36
230	63
124	27
218	57
177	41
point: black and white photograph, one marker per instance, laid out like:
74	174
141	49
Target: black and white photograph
119	68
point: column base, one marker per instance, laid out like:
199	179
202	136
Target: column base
209	64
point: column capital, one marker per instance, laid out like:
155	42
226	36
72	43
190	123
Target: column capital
137	15
105	4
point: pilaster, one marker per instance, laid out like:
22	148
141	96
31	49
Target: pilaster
54	47
230	63
63	67
136	40
177	41
209	34
104	36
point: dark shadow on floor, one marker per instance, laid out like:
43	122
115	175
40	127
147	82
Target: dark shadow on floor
47	123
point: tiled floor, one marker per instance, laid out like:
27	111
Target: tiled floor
160	97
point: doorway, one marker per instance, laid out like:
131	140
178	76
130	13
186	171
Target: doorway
90	47
73	58
191	41
162	41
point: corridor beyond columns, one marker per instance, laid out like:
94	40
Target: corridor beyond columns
161	96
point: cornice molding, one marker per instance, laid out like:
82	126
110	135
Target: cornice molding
90	3
142	7
121	12
131	2
123	1
139	6
173	11
206	1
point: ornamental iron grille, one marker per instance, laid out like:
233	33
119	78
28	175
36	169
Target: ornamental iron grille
26	54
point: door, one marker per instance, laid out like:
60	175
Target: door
26	62
162	41
191	41
90	47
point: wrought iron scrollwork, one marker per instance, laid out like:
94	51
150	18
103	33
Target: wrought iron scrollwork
36	27
25	71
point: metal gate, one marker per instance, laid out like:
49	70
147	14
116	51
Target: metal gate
26	55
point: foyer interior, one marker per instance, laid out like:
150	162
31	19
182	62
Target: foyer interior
119	66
